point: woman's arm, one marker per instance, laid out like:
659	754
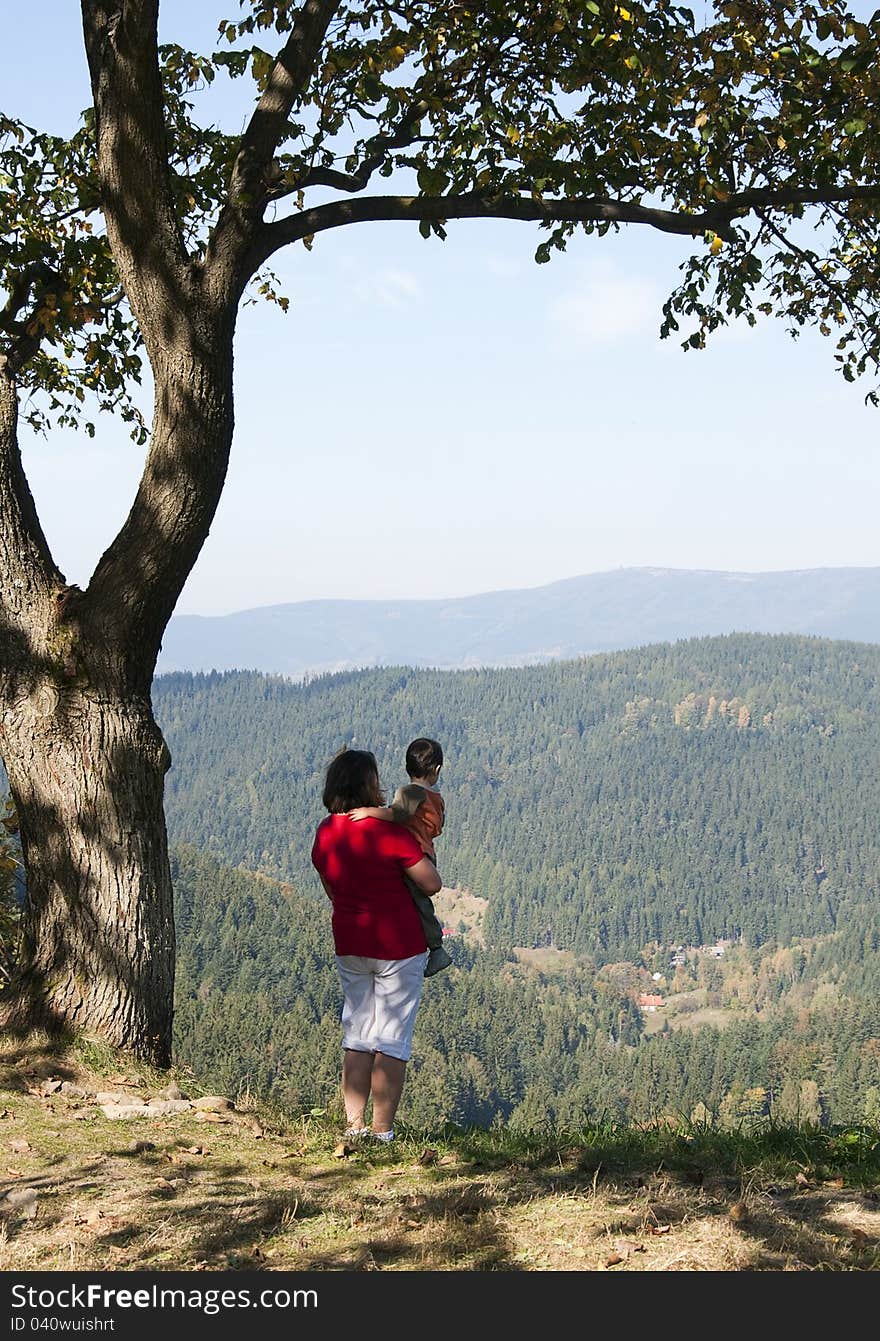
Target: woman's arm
426	876
327	890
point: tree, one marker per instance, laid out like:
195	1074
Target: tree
751	134
810	1102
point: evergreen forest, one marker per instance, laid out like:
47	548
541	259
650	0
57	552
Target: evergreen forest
614	818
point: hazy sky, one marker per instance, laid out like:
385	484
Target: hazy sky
436	419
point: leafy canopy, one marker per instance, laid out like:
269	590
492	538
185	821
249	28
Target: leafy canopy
750	131
64	326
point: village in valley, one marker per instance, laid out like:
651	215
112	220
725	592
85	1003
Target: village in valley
678	958
674	986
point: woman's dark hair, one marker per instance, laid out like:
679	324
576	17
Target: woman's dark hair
422	755
352	780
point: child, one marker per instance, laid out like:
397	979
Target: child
419	807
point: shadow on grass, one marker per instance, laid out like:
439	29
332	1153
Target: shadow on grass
455	1199
24	1064
646	1179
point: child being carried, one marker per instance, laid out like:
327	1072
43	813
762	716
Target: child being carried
419	807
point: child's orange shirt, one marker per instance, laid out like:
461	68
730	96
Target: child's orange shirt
427	823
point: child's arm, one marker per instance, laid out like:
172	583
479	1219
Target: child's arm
405	803
371	812
393	813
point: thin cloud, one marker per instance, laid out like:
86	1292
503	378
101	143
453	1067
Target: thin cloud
388	288
504	267
605	304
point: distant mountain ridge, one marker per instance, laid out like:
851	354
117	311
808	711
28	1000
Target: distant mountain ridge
598	612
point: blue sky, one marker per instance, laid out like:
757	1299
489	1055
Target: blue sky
436	419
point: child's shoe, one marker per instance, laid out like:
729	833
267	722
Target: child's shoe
383	1136
437	960
355	1133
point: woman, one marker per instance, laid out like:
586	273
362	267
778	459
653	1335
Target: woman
380	945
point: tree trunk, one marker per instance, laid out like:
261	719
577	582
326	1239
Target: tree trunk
84	756
97	952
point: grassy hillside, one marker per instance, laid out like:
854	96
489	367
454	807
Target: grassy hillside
247	1188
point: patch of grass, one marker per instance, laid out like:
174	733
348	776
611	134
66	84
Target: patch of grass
189	1192
99	1059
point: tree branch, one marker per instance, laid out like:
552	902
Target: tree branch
377	148
25	333
827	283
20	288
332	177
138	579
438	209
717	217
250	182
30	572
288	79
188	334
758	198
132	160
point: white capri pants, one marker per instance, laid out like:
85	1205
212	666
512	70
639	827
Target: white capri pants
381	1000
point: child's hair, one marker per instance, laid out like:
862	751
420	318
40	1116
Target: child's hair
408	799
422	755
352	780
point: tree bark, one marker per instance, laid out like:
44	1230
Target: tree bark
97	952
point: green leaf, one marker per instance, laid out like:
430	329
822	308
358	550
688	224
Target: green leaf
432	181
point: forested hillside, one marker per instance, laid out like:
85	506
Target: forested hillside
720	787
258	1009
606	810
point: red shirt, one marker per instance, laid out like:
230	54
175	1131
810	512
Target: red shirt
363	863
